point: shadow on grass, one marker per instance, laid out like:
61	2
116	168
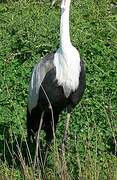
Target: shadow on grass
14	149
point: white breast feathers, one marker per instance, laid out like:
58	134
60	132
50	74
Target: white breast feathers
67	63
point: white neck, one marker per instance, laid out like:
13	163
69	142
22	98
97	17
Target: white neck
67	59
64	25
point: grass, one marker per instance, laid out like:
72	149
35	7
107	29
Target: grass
28	31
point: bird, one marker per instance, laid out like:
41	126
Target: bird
57	83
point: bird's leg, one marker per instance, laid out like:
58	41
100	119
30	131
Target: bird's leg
37	150
50	134
49	137
63	145
65	132
46	155
50	131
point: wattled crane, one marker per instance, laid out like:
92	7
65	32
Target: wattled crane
57	83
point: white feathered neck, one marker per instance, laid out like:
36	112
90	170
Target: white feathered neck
67	58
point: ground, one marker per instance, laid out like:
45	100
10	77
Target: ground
28	31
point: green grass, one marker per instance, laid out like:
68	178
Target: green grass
28	31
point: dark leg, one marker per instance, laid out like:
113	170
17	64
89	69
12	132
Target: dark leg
33	124
50	119
38	157
29	123
33	121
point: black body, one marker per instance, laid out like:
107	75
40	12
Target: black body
57	99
